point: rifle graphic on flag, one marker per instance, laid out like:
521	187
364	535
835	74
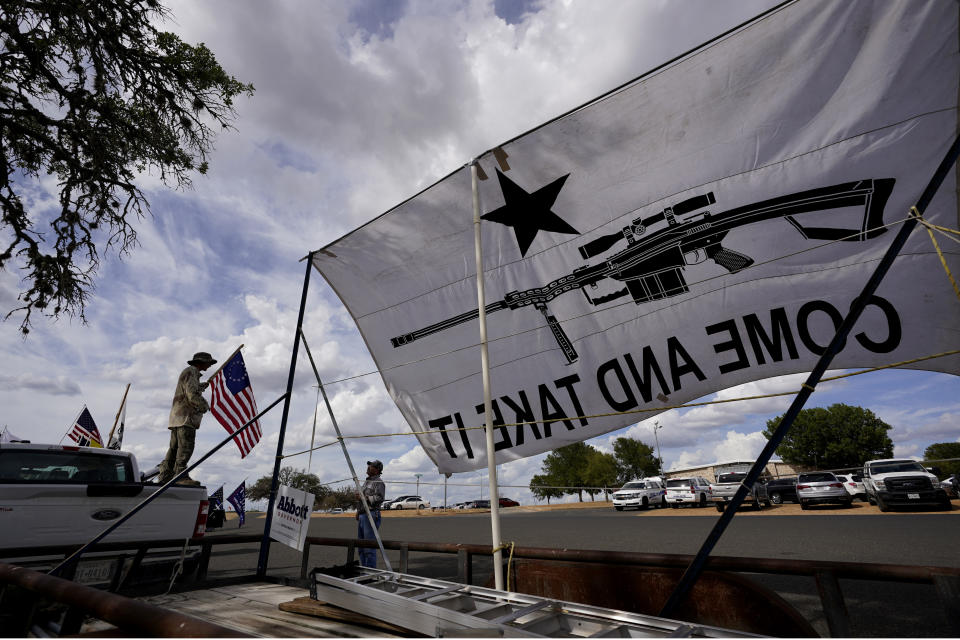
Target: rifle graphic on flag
84	431
652	267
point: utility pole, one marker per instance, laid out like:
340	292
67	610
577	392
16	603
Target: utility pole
657	427
444	492
418	475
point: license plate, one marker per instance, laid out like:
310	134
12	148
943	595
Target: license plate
913	496
94	572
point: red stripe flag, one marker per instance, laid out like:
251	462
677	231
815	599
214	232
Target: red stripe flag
233	405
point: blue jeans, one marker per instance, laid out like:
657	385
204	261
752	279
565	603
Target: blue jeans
368	557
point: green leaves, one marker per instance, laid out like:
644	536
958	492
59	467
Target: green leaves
94	94
837	437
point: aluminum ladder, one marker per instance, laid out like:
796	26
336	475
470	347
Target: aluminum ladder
439	608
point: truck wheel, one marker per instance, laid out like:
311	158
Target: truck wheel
675	506
871	500
399	507
776	498
645	504
663	503
804	505
719	506
618	508
703	500
883	506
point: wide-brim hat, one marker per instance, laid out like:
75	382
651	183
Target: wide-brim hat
201	357
376	463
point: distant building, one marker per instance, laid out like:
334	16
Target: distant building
774	468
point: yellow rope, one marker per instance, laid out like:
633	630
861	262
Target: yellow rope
503	546
688	405
936	245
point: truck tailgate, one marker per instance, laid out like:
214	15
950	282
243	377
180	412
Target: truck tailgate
51	514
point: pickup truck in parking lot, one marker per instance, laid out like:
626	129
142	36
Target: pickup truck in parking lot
782	490
895	482
726	487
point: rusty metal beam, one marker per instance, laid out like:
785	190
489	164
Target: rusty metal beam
131	616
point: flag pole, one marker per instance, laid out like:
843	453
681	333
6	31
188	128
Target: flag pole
697	565
346	454
116	418
274	482
487	403
224	363
72	423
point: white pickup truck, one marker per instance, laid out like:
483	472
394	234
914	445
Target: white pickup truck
726	487
52	495
895	482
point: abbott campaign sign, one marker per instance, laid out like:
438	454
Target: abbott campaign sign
291	517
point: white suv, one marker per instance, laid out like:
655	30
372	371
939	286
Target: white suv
853	483
410	502
640	494
694	490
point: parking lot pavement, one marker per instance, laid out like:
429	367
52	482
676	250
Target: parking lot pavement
790	509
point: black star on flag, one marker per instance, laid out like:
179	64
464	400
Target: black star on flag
529	213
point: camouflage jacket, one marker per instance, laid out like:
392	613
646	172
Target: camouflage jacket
188	405
374	491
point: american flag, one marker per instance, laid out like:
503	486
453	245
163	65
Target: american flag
216	499
239	500
233	404
84	431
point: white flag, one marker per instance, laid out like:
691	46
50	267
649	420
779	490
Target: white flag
116	439
706	226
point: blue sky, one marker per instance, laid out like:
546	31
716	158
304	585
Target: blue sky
359	105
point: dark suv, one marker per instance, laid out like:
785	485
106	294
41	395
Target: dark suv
782	490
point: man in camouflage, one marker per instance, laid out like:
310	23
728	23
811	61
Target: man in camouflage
185	415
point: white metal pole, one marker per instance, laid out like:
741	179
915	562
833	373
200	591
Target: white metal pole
487	407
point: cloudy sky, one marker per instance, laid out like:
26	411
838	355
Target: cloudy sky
358	106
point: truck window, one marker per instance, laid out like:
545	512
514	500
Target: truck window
896	466
62	467
730	477
633	485
679	483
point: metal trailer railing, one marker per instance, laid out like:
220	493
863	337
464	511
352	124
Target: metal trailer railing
826	574
133	617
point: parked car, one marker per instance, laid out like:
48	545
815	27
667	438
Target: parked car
388	504
336	510
782	490
694	490
893	482
507	502
477	504
727	485
641	494
820	487
410	502
853	483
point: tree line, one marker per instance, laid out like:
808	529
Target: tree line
842	437
835	437
580	468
